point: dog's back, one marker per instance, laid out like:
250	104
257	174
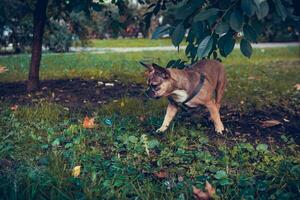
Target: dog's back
215	73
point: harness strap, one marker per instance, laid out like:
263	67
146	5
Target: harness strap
195	92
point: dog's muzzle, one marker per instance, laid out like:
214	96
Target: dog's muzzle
150	92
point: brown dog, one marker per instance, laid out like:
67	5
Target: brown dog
192	87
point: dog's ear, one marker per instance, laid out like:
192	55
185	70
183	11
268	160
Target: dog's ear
148	66
163	72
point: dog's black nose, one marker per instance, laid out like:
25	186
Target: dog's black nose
150	93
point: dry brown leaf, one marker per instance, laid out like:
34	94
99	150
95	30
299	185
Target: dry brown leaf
3	69
180	178
89	122
297	86
210	189
14	107
161	174
200	195
142	118
270	123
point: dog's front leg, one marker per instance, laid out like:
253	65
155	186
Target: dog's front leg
171	112
215	116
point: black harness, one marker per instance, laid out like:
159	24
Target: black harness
195	92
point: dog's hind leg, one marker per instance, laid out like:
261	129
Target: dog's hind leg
220	91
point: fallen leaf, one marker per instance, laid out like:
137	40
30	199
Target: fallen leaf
200	195
14	107
76	171
180	178
108	122
270	123
122	104
142	118
3	69
297	86
161	174
210	189
109	84
88	122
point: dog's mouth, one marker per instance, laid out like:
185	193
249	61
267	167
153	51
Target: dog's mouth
151	93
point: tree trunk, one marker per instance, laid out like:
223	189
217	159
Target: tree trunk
39	19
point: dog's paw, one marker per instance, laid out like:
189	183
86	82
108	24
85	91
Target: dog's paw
161	129
219	129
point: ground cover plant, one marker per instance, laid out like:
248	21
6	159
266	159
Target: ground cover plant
89	134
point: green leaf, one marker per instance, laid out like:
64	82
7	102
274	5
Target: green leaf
246	48
133	139
160	31
262	147
263	10
198	29
236	20
178	34
280	9
257	2
56	142
222	28
249	33
153	143
224	182
257	26
248	7
118	183
205	47
191	36
226	44
204	15
187	8
221	174
97	7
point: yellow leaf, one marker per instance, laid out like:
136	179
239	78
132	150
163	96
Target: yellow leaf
76	171
122	104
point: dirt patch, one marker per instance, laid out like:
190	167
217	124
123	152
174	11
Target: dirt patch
73	93
248	125
78	94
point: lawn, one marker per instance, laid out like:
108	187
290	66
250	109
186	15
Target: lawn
140	42
43	141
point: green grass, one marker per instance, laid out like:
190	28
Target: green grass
40	144
118	157
271	73
141	42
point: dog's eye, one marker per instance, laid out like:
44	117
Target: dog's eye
155	87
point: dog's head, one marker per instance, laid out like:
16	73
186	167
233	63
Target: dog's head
159	81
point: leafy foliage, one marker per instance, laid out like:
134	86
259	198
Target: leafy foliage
215	25
67	22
